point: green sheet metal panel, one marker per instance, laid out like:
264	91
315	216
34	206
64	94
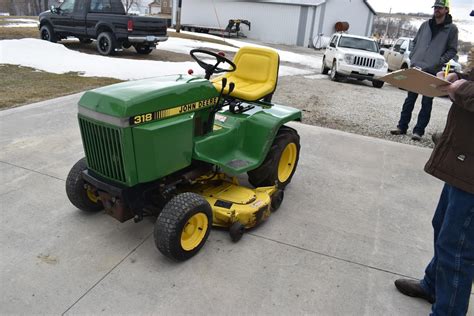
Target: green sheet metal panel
163	147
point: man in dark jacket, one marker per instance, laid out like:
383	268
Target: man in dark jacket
448	277
434	45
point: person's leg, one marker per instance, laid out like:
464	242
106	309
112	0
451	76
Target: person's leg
455	255
429	281
407	109
424	115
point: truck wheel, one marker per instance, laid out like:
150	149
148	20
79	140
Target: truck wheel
81	197
324	69
377	83
106	43
334	75
47	34
183	226
281	161
143	49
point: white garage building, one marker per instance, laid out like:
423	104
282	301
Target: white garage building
291	22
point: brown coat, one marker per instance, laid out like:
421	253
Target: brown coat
452	159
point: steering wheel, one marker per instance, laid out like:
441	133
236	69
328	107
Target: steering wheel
212	69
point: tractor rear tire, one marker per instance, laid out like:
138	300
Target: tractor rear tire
280	164
183	226
76	191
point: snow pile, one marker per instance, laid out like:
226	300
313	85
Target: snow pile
58	59
285	56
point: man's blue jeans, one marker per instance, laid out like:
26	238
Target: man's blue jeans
423	117
449	275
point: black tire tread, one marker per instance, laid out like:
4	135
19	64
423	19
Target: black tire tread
75	189
113	43
167	230
265	175
52	36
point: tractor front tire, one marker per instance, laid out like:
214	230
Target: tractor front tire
81	197
280	164
183	226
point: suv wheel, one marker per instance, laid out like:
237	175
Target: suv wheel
377	83
324	69
106	43
334	75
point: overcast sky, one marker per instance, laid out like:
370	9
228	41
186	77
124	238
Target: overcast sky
460	9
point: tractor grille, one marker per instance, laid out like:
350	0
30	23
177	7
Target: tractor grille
364	61
103	149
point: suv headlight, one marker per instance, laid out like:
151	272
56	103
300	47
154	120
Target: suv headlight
379	63
349	59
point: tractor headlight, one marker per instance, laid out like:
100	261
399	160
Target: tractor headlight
379	63
349	59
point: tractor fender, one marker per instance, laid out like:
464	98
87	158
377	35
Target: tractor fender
243	141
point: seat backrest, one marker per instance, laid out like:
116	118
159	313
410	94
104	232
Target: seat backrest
256	75
256	64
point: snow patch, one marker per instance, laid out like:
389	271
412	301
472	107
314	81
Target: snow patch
56	58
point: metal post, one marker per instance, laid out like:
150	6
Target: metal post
178	17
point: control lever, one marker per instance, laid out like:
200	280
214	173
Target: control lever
216	106
231	88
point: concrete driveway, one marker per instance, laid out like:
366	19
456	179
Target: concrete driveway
356	217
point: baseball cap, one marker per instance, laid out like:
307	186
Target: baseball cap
441	3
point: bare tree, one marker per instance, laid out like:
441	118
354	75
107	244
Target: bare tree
128	4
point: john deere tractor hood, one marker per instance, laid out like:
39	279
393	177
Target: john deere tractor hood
143	96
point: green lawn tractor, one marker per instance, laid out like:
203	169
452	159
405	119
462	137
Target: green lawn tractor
173	146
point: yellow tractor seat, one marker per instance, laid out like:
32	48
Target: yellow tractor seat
256	75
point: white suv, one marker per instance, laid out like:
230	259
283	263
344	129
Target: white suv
355	57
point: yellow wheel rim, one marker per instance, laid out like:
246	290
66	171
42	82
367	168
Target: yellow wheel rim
287	162
92	196
194	231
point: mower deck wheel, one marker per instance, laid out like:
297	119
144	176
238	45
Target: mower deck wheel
183	226
277	199
236	231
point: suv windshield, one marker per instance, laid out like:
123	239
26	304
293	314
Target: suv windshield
358	43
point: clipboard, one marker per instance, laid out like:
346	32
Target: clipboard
417	81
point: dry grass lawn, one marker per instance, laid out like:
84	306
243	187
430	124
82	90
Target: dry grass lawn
23	85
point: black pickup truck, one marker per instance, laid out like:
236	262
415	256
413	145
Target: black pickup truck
104	20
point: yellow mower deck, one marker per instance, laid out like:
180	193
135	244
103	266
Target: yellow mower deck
231	202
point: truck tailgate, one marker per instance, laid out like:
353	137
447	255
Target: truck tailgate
149	26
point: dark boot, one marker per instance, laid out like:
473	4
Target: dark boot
413	288
398	131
